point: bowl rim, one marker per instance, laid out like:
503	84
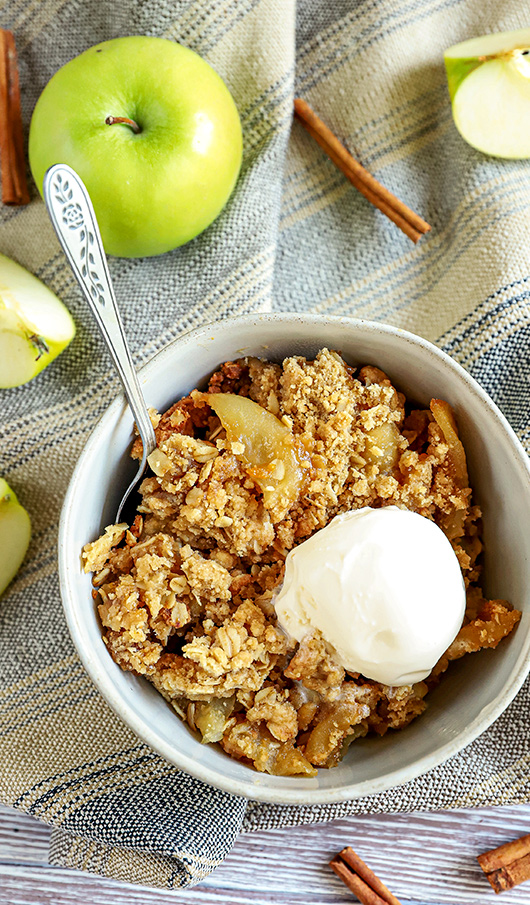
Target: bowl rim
252	788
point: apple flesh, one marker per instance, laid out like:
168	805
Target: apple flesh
34	325
154	134
489	85
15	533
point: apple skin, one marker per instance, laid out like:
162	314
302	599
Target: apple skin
15	534
155	190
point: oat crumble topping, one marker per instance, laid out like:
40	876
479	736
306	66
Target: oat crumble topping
185	592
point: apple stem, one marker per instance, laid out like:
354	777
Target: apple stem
110	120
40	345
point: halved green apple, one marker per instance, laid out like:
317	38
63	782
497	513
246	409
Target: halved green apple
15	533
489	84
34	325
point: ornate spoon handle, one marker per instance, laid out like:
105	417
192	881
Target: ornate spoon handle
74	221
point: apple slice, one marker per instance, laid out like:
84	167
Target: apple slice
489	85
34	325
272	455
15	532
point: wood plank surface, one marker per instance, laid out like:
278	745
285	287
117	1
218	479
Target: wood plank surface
425	859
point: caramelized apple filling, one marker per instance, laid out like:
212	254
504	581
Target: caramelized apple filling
273	457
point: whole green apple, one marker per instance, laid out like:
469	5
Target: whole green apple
153	132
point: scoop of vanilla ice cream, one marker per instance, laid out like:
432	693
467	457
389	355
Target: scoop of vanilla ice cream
383	586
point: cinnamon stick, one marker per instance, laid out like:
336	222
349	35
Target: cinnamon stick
508	865
505	854
12	161
361	880
355	884
357	864
409	222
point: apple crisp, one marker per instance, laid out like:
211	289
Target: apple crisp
241	475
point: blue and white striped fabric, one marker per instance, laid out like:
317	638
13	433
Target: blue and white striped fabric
295	237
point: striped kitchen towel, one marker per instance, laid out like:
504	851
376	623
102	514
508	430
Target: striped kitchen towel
295	237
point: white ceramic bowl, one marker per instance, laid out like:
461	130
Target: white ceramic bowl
475	691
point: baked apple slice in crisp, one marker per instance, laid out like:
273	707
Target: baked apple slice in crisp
273	457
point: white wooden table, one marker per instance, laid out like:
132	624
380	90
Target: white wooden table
425	859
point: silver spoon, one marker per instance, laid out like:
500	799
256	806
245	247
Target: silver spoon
74	221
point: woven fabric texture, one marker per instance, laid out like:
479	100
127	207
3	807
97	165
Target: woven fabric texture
295	237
